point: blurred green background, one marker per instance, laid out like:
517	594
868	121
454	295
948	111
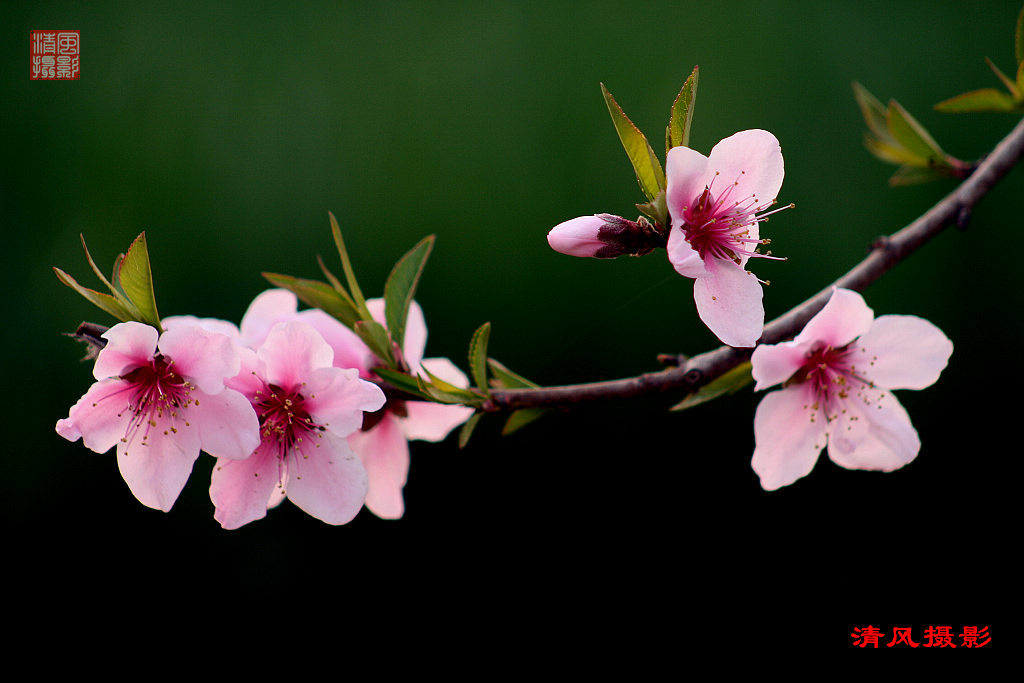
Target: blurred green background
228	130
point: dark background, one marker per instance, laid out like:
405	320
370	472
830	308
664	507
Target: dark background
228	131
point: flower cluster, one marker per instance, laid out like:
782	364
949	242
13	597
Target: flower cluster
283	402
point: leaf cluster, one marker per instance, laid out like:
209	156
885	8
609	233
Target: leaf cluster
131	297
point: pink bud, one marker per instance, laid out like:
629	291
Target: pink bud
577	237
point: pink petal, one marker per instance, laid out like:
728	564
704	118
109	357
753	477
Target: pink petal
326	479
685	172
774	364
157	468
753	160
338	398
349	349
291	352
682	256
265	311
879	436
228	426
432	421
903	352
844	317
129	345
241	489
729	302
100	417
577	237
205	358
788	440
385	453
216	325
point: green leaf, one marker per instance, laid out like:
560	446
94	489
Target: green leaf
1020	81
892	153
402	382
106	302
728	383
915	175
335	282
401	287
986	99
912	135
648	169
874	113
678	132
467	429
318	295
478	356
350	275
136	280
656	209
505	378
444	392
1007	81
376	337
520	418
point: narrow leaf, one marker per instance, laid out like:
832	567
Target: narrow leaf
520	418
317	295
873	111
648	169
459	396
335	282
912	135
136	279
376	337
986	99
505	378
1007	81
95	269
682	114
729	383
467	429
350	275
106	302
478	356
892	153
656	209
400	288
402	382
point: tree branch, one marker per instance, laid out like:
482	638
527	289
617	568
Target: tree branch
886	252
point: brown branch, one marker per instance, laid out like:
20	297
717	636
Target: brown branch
954	209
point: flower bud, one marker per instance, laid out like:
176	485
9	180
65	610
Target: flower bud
604	236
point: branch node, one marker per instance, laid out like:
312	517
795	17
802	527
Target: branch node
963	218
672	360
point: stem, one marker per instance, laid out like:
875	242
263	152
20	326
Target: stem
954	209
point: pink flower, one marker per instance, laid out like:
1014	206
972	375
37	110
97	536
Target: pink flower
382	444
714	204
161	399
837	376
306	408
604	236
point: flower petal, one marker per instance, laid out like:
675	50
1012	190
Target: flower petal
879	436
415	329
326	479
224	327
205	358
156	467
753	160
683	257
241	489
349	350
844	317
129	345
291	352
385	453
788	439
729	302
773	364
685	171
903	352
337	398
228	426
265	311
432	421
